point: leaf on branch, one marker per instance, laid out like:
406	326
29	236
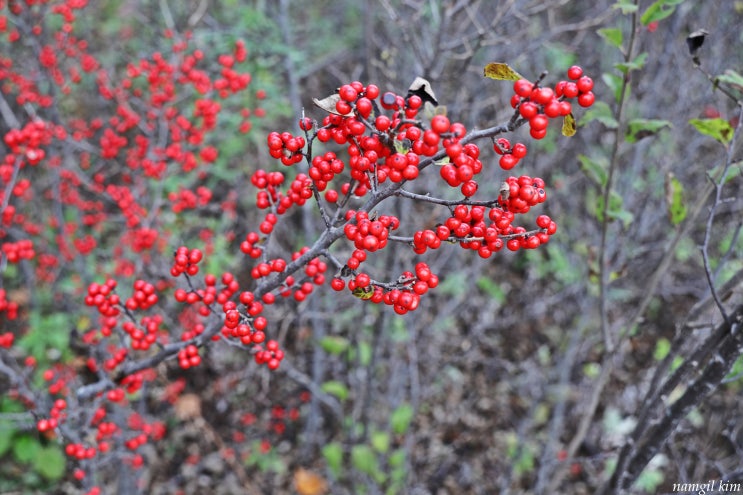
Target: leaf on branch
720	129
675	199
333	344
626	6
501	72
732	78
594	170
641	128
613	36
336	388
422	88
600	111
50	462
659	10
695	41
328	104
636	64
568	125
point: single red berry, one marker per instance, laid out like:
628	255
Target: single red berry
586	99
584	84
575	72
440	124
523	88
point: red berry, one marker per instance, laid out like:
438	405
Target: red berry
584	84
523	88
586	99
440	124
575	72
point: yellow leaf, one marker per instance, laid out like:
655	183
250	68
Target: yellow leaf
568	125
364	292
308	483
502	72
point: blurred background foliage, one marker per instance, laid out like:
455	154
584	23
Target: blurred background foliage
480	389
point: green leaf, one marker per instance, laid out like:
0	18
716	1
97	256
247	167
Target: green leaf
50	462
380	440
626	6
613	36
613	82
659	10
333	454
636	64
593	169
720	129
397	458
641	128
400	418
364	459
601	112
731	77
365	353
568	125
675	200
25	448
6	436
492	289
333	344
501	72
662	348
336	388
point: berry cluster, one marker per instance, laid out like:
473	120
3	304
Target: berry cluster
286	147
144	296
186	261
369	234
537	104
103	297
18	251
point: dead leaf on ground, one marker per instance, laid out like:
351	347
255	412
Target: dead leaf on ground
188	406
307	482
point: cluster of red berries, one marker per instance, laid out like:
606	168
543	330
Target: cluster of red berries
189	357
518	195
116	357
145	335
510	156
27	143
369	234
208	295
18	251
403	296
186	261
10	308
103	297
56	415
186	199
144	296
323	169
463	166
270	355
539	104
286	147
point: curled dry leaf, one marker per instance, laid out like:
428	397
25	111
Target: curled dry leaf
328	104
422	88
